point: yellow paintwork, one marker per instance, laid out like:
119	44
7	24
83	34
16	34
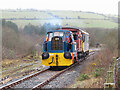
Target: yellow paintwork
90	50
83	46
61	60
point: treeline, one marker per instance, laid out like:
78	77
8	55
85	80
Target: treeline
31	29
106	37
9	24
17	43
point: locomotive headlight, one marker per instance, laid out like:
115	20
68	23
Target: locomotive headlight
67	55
45	55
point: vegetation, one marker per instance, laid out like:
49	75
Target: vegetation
31	29
97	67
24	14
70	18
83	77
17	43
98	71
108	37
10	25
23	29
13	41
16	68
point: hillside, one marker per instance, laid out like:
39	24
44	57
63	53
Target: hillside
64	18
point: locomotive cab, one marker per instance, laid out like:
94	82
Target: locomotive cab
59	48
81	38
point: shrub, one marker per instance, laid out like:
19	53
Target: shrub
98	72
11	54
83	77
15	43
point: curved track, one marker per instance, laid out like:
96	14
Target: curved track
39	79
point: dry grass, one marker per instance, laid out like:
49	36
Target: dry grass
17	65
96	70
89	83
16	68
102	59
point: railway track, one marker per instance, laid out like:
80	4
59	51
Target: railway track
18	72
18	68
9	85
39	79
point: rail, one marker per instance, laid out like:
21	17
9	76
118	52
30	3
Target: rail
40	85
9	85
20	80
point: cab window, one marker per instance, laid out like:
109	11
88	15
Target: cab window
58	34
83	37
50	35
66	36
75	36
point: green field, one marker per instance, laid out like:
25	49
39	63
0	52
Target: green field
24	14
91	23
73	14
70	18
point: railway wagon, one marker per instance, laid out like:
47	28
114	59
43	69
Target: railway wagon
59	48
82	40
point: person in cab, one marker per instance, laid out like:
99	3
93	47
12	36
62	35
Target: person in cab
69	41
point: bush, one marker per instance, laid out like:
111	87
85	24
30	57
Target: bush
98	72
11	54
10	24
15	43
83	77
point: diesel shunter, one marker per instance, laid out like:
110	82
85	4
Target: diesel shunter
64	46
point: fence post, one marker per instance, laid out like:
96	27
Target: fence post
118	72
111	75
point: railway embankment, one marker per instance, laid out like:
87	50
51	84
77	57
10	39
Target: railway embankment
94	73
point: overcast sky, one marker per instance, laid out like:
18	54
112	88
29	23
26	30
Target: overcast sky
99	6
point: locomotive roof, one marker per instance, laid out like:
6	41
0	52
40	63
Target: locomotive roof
84	32
74	29
59	31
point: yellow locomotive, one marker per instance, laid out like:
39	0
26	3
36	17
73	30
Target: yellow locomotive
65	46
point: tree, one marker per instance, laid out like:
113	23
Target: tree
9	24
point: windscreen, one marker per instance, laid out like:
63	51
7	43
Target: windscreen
53	34
58	34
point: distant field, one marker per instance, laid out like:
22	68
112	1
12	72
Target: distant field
91	23
24	14
73	14
70	18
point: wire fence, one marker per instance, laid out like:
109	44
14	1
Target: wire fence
113	74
